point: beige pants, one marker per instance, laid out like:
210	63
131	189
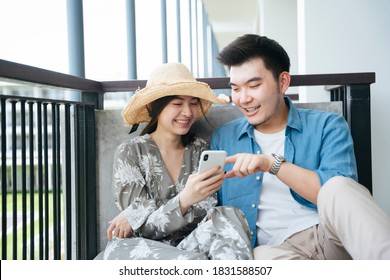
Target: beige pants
352	226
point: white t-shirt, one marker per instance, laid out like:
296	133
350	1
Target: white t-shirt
280	215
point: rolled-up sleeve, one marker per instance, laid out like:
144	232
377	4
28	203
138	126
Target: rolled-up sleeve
337	152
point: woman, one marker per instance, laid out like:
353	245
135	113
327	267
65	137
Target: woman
162	198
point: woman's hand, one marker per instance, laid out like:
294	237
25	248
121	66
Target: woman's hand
119	227
199	187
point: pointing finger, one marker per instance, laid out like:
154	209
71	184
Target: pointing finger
231	159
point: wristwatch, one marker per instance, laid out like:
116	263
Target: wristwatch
277	163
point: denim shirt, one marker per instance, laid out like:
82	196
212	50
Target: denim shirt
315	140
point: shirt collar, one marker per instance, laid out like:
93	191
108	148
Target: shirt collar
247	128
294	121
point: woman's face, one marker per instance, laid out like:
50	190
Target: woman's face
178	115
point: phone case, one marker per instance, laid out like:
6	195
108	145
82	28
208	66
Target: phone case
210	159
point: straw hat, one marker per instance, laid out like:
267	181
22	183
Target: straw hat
168	79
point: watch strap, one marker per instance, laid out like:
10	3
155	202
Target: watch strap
279	159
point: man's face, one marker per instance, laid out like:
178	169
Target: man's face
256	93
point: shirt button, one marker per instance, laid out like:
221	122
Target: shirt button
257	178
258	152
251	232
253	205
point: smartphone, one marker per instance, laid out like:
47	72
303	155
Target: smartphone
210	159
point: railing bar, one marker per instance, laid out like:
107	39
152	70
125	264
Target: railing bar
32	178
40	178
24	177
85	177
16	71
12	70
14	183
334	94
78	171
90	189
3	179
340	95
331	92
87	197
68	186
332	79
54	172
46	179
343	97
223	82
81	180
57	185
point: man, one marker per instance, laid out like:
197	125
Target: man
280	157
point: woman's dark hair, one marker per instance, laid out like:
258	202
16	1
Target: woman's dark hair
155	109
251	46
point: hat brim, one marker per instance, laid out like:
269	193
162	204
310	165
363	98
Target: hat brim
136	111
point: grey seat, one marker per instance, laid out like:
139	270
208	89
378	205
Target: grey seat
111	131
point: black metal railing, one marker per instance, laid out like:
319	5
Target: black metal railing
43	165
48	156
357	112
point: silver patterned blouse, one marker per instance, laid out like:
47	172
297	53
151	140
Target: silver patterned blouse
143	188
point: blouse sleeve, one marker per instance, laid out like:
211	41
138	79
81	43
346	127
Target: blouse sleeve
128	183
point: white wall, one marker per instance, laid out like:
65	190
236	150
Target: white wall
346	36
278	20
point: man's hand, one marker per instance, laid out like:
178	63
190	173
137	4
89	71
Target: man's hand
247	164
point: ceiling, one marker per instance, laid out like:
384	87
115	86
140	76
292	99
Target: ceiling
232	18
